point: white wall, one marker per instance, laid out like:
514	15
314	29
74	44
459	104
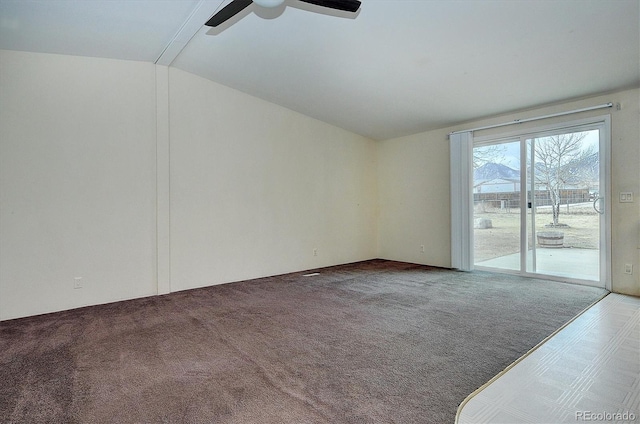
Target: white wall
414	188
144	181
625	176
77	182
256	187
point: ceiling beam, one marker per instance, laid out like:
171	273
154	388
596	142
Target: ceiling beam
201	14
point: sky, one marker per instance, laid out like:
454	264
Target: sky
511	150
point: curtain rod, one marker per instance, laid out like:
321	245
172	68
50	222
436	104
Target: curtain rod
536	118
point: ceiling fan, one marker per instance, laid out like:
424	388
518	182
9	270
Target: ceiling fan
237	6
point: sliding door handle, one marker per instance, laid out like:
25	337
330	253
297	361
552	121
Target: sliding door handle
596	204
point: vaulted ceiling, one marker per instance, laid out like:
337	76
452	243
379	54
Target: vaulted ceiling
397	67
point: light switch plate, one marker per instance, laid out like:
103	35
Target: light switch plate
626	197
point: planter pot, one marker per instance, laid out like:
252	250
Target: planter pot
550	239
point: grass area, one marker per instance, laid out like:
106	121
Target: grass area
581	230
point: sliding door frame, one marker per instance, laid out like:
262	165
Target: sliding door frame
601	123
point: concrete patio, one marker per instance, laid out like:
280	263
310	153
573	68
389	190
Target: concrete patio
582	264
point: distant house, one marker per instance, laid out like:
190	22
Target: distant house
496	178
496	185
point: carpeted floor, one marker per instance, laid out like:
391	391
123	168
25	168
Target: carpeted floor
371	342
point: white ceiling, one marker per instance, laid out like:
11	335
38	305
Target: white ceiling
399	67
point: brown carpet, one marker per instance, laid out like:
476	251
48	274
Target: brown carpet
372	342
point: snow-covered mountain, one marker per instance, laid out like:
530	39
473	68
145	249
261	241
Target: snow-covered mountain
492	171
575	172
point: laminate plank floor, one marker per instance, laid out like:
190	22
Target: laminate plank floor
589	371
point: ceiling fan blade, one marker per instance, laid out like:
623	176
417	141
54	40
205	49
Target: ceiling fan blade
228	12
346	5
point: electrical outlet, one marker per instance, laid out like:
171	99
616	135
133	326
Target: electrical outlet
422	248
628	269
315	252
77	282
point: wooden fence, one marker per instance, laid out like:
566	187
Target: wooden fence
506	201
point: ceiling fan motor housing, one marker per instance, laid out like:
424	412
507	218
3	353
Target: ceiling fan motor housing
268	3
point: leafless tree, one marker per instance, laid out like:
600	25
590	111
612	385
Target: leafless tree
559	160
486	154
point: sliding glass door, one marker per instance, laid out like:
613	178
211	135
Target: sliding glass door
496	204
539	204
